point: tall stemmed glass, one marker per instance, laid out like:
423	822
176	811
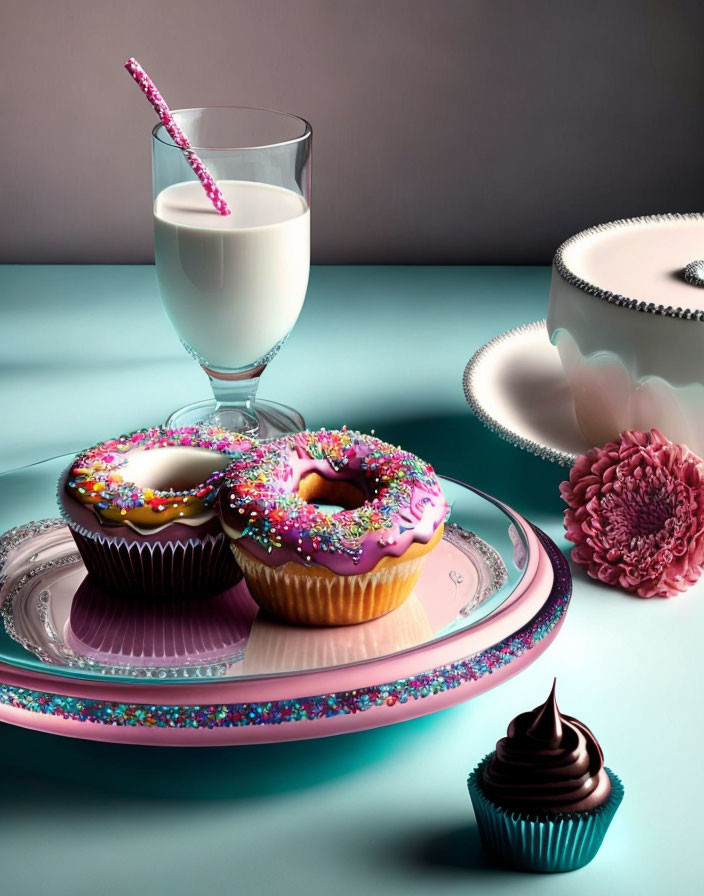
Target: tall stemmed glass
233	286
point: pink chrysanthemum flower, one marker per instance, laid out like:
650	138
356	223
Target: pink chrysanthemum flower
636	514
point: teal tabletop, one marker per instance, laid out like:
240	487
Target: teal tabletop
88	353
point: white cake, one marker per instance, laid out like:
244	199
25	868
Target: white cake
629	327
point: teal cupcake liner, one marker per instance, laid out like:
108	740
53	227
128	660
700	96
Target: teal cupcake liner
546	843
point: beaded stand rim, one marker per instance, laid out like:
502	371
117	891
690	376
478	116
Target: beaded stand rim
471	394
311	708
615	298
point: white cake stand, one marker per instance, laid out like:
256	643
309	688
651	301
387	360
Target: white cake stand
516	386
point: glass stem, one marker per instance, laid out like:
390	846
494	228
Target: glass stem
236	395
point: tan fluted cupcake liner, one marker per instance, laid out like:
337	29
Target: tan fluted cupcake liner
313	595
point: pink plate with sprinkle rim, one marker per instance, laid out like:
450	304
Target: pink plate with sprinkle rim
217	671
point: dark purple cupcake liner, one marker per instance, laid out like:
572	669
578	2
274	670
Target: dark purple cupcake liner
159	569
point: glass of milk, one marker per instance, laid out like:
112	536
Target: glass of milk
233	286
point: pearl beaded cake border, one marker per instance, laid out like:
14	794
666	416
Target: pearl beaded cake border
277	712
612	297
471	393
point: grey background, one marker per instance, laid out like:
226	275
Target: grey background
454	131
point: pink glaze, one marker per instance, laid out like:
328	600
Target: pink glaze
259	504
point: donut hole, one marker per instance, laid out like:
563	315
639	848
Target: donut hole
178	468
333	494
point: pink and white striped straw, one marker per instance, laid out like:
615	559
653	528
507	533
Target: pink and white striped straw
148	88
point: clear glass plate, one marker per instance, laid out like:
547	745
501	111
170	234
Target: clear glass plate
465	580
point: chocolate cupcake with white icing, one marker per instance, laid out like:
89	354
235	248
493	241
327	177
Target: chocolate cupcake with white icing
140	509
544	799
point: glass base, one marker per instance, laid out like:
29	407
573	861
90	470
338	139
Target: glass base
261	419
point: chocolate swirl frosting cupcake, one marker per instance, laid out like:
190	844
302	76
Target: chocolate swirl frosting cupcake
543	799
547	764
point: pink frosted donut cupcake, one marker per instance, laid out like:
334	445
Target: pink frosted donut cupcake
140	509
317	565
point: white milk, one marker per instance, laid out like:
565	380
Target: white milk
233	286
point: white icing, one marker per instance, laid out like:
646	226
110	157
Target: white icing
643	341
609	400
175	467
630	369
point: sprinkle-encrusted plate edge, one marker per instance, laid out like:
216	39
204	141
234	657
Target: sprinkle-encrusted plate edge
471	394
106	719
